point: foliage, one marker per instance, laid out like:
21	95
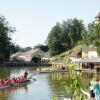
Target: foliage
67	35
5	39
74	84
64	36
27	49
54	98
72	30
42	47
15	48
97	44
62	56
55	40
95	37
92	35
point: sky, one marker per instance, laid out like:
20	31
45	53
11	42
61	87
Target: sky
33	19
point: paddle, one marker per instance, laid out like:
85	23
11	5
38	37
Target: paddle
32	78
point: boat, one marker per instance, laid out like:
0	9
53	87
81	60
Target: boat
3	87
28	81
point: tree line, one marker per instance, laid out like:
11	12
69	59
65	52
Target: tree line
5	39
6	46
64	36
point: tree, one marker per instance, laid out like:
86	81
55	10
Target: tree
27	49
94	35
97	44
16	48
55	40
42	47
72	31
65	36
5	39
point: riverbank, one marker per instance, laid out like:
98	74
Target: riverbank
20	64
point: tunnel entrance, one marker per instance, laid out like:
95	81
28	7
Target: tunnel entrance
36	59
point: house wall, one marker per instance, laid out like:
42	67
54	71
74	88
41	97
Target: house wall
25	57
92	54
89	54
84	55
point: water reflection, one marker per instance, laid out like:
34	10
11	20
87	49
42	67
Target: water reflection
59	76
56	85
4	72
13	89
87	75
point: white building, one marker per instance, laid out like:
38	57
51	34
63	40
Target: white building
89	52
31	55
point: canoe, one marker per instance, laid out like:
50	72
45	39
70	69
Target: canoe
17	84
21	83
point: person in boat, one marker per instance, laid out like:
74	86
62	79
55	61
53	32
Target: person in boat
25	74
4	82
90	95
1	82
23	79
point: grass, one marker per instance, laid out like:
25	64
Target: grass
66	53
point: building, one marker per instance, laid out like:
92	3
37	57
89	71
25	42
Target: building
91	59
90	63
89	52
97	18
75	55
34	55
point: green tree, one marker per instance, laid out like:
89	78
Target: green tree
65	36
27	49
5	39
55	40
42	47
72	31
16	48
94	35
97	44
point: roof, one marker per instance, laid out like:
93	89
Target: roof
30	54
15	54
93	49
87	48
34	50
75	53
98	16
87	60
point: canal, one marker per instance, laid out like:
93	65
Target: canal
46	87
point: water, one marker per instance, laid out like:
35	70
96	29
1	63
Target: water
45	88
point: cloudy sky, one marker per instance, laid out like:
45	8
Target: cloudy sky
34	19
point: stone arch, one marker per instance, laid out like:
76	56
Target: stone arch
36	58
